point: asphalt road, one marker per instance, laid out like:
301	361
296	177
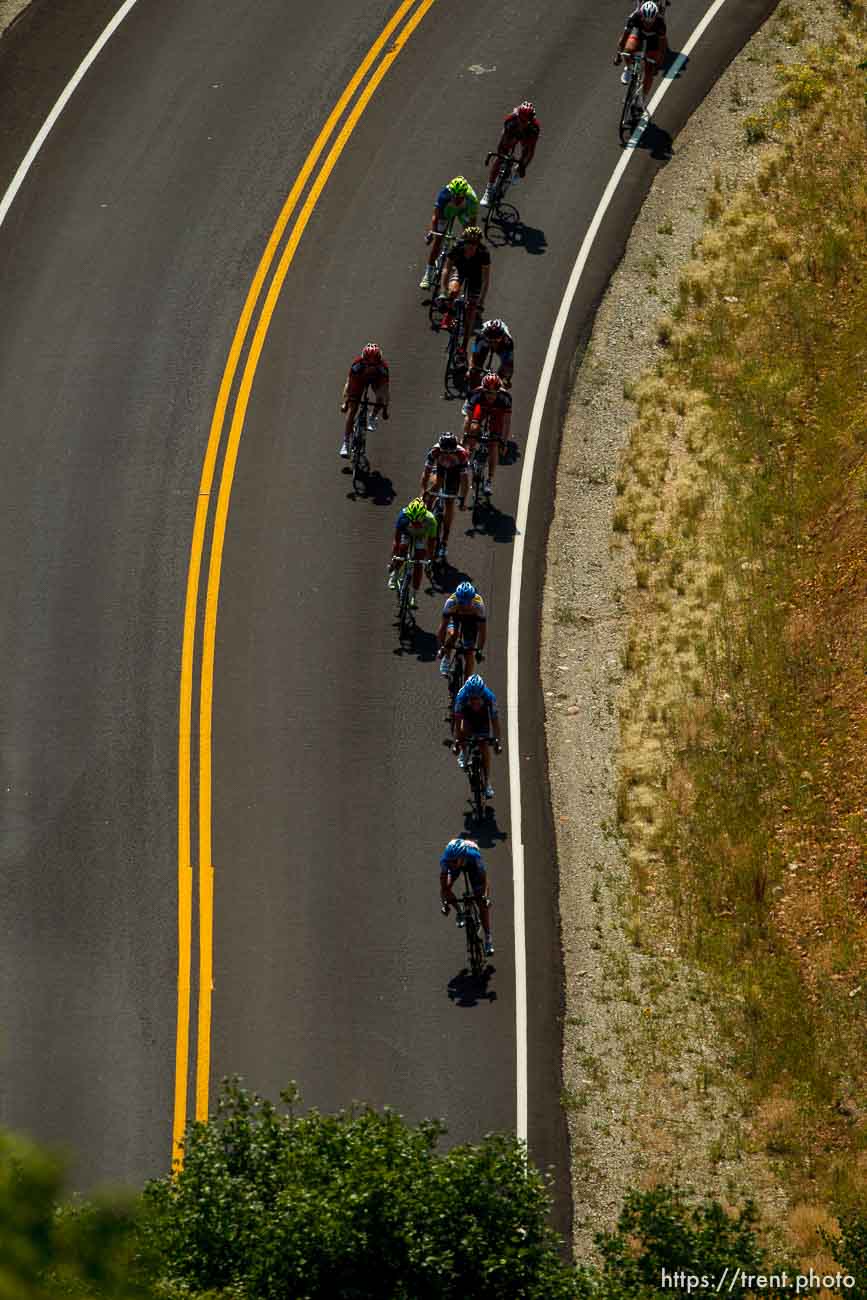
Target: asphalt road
124	264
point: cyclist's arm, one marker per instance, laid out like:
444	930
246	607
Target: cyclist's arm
486	280
505	146
425	478
446	893
528	148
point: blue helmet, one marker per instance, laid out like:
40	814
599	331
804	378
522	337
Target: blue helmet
460	848
474	685
464	593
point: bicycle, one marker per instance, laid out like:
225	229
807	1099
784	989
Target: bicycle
479	471
438	509
455	377
475	770
469	918
458	673
449	239
499	212
365	422
406	624
631	114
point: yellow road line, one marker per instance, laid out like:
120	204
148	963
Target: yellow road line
187	656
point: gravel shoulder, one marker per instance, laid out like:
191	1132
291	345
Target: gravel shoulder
648	1093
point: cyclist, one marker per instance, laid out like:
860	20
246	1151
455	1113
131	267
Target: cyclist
489	401
369	369
459	855
446	463
492	340
522	128
646	24
467	267
476	715
455	201
416	525
464	615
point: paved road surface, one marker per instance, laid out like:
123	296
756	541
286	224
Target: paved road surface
124	264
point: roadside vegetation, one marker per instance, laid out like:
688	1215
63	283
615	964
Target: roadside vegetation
272	1204
743	777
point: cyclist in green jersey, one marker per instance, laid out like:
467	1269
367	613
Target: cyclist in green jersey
456	201
416	526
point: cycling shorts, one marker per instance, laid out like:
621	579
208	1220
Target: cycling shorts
478	877
484	354
357	387
466	629
478	721
447	478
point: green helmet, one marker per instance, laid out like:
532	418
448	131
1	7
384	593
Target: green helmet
460	185
416	510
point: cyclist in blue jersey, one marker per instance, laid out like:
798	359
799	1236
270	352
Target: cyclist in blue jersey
416	526
476	715
455	201
460	854
464	616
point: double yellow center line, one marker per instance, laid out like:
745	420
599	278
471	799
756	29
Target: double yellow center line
413	11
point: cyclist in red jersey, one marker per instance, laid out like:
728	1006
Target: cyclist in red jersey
490	400
446	463
521	127
367	370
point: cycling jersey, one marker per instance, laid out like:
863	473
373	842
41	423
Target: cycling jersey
470	850
375	375
651	34
503	347
447	211
496	343
473	612
488	710
495	412
469	268
437	459
516	130
361	375
418	532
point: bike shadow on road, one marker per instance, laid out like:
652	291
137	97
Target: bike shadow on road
486	833
657	142
378	489
514	233
422	646
468	990
495	524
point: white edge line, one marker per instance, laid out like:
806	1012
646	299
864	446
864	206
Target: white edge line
518	568
75	79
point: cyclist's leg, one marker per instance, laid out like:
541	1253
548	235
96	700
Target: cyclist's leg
449	638
419	552
480	888
470	313
507	367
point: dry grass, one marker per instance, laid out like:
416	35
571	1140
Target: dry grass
744	775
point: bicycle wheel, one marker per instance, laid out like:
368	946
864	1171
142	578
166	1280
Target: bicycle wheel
627	116
406	622
360	463
473	930
477	783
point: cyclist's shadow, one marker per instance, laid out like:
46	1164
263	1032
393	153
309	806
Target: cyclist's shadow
494	523
468	990
378	489
423	645
486	833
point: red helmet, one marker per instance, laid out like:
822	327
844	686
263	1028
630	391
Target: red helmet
526	112
492	383
371	354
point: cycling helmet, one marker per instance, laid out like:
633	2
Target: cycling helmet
492	383
460	848
371	354
472	235
460	186
495	327
474	685
464	593
447	441
526	112
416	510
649	11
